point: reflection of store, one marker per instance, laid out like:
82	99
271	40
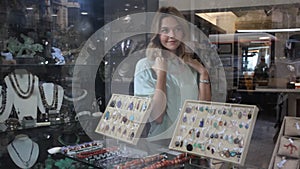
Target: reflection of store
51	107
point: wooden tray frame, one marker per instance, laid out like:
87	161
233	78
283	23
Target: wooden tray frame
281	134
115	118
209	120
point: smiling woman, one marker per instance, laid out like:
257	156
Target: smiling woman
170	37
169	73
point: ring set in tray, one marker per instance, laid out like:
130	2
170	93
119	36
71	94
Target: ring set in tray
124	117
216	130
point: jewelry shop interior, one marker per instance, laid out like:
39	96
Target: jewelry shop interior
83	87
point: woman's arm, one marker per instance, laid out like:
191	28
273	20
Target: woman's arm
204	86
150	80
159	97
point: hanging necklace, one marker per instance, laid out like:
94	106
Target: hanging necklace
3	103
16	86
26	163
53	105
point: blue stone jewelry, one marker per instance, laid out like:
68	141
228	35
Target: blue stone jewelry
246	126
193	119
184	119
131	117
232	154
119	104
107	115
201	124
130	107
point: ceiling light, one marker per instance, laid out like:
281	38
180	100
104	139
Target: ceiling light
269	30
84	13
264	38
29	8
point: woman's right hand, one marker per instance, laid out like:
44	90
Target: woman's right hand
160	66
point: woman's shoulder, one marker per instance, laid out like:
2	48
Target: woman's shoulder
144	62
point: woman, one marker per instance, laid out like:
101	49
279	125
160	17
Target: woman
169	73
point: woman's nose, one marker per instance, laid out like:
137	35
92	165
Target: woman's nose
171	33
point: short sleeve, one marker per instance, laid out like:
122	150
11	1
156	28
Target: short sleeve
144	82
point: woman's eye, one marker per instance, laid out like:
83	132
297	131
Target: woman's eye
178	29
164	30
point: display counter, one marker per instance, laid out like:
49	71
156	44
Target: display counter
292	95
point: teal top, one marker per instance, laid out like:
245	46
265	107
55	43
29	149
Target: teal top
181	85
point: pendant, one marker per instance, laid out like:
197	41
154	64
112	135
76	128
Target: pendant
112	104
131	117
119	104
144	107
201	124
130	107
188	110
26	163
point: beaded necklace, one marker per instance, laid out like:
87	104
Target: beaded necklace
16	86
3	103
53	105
26	163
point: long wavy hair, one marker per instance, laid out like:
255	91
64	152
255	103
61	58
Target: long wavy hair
155	48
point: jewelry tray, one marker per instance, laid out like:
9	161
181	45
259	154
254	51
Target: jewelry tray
124	118
220	131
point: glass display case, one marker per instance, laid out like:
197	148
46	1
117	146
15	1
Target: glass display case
62	61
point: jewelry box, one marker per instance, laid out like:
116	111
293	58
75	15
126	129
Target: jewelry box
124	118
219	131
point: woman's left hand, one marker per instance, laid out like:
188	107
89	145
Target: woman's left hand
195	64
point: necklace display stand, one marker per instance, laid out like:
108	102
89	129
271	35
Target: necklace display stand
22	89
52	96
23	151
2	100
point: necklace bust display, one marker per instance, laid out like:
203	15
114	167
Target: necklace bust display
27	81
51	96
22	89
2	100
23	151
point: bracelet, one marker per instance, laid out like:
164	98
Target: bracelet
204	81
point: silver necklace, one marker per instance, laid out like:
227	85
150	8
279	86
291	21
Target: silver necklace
26	163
